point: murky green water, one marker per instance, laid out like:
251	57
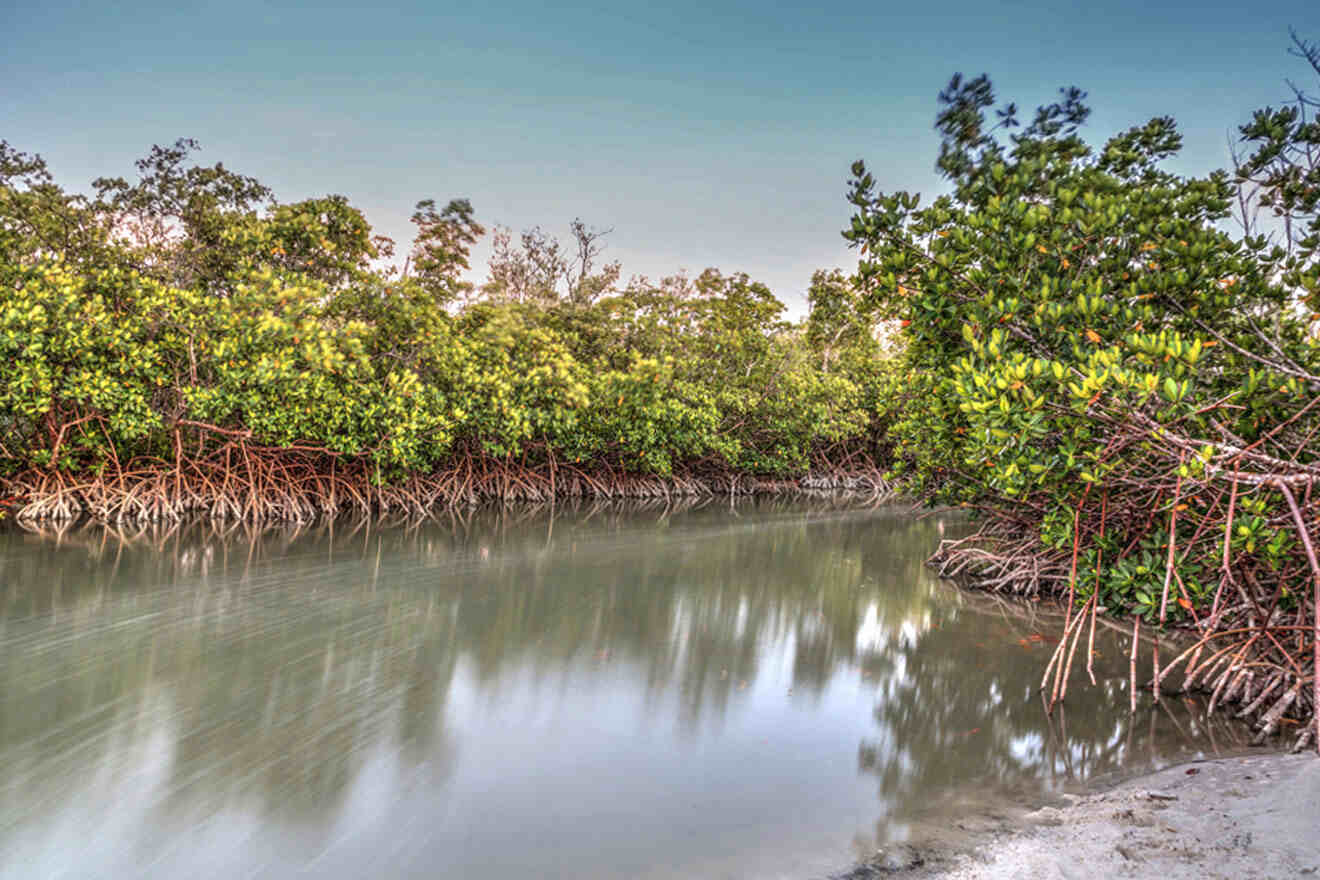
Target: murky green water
765	691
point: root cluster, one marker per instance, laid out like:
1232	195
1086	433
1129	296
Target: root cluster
1252	644
258	484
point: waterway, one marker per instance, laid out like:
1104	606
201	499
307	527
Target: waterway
765	689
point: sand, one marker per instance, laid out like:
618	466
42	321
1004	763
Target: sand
1256	816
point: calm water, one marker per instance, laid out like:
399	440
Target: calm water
766	691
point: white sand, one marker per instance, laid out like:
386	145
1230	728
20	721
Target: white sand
1248	817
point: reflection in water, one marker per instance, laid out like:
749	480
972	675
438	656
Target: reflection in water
608	692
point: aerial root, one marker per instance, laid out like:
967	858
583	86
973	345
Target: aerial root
257	484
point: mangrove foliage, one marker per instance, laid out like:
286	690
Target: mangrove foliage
184	343
1124	385
1114	365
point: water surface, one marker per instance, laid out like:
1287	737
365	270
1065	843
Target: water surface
771	690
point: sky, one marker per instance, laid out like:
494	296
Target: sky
702	133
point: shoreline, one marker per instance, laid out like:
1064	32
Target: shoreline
1252	815
301	490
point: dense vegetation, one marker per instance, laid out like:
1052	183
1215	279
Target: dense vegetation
1123	386
182	343
1124	389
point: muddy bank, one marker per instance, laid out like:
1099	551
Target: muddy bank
1249	816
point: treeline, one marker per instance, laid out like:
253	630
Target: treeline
1124	383
1125	387
184	343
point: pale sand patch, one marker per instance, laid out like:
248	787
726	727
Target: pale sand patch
1255	816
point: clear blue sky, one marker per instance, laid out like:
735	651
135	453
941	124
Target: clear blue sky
705	133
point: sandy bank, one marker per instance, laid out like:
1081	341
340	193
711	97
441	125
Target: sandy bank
1256	816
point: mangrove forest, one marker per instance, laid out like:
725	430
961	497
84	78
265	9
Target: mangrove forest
1113	367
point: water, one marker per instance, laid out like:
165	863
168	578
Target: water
772	690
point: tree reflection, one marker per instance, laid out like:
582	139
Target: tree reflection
275	660
967	715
